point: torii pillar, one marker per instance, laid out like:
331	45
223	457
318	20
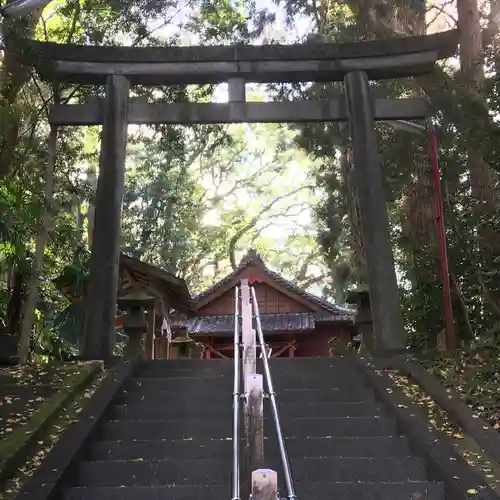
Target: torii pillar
388	324
102	292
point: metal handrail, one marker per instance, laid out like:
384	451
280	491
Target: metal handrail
236	400
274	405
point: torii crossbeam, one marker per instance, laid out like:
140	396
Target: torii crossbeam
19	8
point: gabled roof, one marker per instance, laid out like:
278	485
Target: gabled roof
173	286
72	282
252	258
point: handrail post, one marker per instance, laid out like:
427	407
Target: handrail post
254	429
264	484
247	334
236	400
274	405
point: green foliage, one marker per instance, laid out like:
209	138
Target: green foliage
68	324
463	118
475	374
48	344
423	313
195	209
196	198
74	276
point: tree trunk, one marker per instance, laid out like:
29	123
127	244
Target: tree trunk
463	306
16	296
355	236
92	181
41	240
13	76
420	213
472	69
483	179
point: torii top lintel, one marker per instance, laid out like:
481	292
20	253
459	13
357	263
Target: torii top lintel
381	59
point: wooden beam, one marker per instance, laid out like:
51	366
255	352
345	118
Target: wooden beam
290	345
150	336
216	352
333	110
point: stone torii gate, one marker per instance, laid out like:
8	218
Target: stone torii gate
118	68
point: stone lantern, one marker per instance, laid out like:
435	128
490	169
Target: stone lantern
186	347
363	322
135	304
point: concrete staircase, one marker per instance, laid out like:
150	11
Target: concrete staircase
168	437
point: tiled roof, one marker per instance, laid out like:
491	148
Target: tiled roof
147	274
224	324
140	272
253	258
329	317
270	322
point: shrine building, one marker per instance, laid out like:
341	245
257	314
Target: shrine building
294	322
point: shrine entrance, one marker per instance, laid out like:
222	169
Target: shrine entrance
354	64
275	349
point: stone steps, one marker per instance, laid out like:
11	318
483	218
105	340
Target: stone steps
168	436
202	395
225	382
146	411
217	471
184	449
310	491
222	427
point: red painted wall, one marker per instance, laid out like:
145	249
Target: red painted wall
309	344
312	345
344	331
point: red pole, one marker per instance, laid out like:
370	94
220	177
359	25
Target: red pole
451	341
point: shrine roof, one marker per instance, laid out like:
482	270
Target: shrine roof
270	322
252	258
279	322
151	276
146	275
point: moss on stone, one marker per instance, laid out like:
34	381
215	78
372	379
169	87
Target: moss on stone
15	446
